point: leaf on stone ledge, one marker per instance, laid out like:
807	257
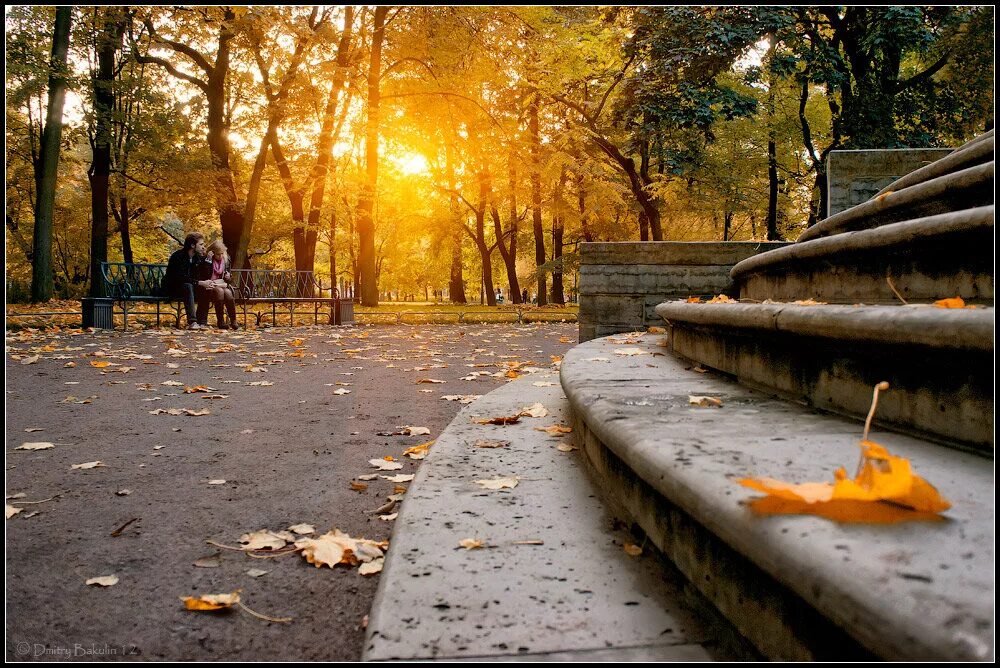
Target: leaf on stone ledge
502	420
722	299
498	483
470	543
952	302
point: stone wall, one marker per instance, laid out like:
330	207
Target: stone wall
856	176
622	283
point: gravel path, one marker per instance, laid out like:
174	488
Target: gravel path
288	451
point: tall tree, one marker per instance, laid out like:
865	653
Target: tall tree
366	203
110	26
41	258
535	175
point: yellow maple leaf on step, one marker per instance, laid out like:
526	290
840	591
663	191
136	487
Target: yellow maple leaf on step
952	302
721	299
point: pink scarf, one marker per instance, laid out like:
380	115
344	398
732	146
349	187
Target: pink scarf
218	267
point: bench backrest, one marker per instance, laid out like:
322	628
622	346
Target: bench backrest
123	280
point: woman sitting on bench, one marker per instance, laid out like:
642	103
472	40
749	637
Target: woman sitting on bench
215	277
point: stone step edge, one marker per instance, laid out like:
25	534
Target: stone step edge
689	461
396	611
871	240
968	155
914	325
966	180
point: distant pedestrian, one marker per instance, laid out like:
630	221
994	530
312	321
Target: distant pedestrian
524	296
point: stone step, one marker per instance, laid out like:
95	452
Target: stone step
939	362
975	152
963	189
552	581
926	259
800	587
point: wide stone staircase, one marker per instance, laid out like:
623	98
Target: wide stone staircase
776	384
817	325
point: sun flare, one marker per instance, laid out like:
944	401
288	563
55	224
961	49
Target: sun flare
412	163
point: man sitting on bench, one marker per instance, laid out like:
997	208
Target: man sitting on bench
181	282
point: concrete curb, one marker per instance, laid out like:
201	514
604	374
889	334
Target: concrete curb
578	596
911	591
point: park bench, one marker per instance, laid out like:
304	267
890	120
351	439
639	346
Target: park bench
128	284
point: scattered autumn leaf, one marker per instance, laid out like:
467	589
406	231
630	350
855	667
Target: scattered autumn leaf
388	518
372	567
418	451
266	540
535	410
302	529
35	446
198	388
70	365
498	483
656	330
400	477
721	299
632	550
87	465
486	443
631	352
555	429
470	543
705	402
429	380
12	510
565	447
256	572
502	420
415	431
358	486
953	302
33	429
211	601
384	465
104	580
693	300
211	561
30	360
220	481
99	364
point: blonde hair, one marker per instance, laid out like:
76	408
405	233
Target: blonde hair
219	248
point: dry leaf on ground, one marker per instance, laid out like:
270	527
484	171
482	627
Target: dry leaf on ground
502	420
384	465
631	352
705	402
555	429
418	451
430	381
302	529
41	445
470	543
487	443
211	561
415	431
498	483
632	550
87	465
358	486
266	540
535	410
219	481
340	391
256	572
372	567
401	477
12	510
211	601
565	447
104	580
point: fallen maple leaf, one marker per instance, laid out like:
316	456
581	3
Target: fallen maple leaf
266	540
721	299
470	543
415	431
632	550
372	567
87	465
302	529
99	364
401	477
953	302
217	482
705	402
555	429
693	300
340	391
358	486
535	410
198	388
631	352
211	601
429	380
565	447
498	483
418	451
104	580
656	330
35	446
12	510
881	477
384	465
30	360
503	420
485	443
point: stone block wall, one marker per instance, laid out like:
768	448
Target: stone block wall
622	283
857	176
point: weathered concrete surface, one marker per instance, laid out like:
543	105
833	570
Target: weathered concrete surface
906	591
975	152
856	176
578	596
938	361
621	283
964	189
946	255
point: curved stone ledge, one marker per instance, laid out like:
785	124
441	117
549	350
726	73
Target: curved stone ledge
927	259
937	361
912	591
973	153
966	188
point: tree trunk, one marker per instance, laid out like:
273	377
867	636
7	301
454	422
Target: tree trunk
456	282
485	254
643	226
111	22
366	203
41	257
126	229
536	197
333	248
558	227
305	250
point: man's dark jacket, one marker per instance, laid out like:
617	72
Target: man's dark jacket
181	269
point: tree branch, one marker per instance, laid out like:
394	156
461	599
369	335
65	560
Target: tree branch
926	74
191	53
165	64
